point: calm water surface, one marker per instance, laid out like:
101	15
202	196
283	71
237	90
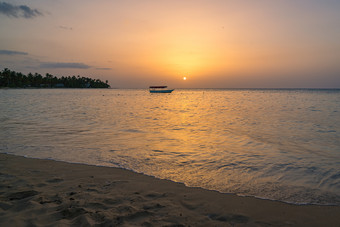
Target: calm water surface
275	144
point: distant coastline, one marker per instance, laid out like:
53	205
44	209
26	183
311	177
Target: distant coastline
12	79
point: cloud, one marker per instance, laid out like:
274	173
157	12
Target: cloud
11	52
59	65
103	68
18	11
66	28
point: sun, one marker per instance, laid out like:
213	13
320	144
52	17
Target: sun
184	78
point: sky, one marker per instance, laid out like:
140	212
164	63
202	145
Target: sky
213	43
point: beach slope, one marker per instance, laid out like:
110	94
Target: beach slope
37	192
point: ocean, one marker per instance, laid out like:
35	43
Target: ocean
277	144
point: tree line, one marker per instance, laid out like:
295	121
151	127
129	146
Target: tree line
14	79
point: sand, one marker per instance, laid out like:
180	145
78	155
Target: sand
37	192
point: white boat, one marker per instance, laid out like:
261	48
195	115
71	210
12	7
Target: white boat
160	89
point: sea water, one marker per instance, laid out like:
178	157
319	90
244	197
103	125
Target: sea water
275	144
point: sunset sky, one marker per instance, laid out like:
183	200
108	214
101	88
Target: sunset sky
213	43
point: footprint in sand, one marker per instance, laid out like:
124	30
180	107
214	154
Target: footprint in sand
55	180
22	195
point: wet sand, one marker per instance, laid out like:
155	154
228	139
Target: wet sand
37	192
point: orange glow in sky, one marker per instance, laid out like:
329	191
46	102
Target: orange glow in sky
219	43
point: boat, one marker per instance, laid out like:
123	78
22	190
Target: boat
160	89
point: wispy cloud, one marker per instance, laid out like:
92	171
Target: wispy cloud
18	11
103	68
11	52
73	65
66	28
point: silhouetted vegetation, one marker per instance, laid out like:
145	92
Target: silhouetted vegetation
14	79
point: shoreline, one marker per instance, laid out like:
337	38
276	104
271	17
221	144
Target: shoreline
47	192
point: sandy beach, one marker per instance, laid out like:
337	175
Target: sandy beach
37	192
